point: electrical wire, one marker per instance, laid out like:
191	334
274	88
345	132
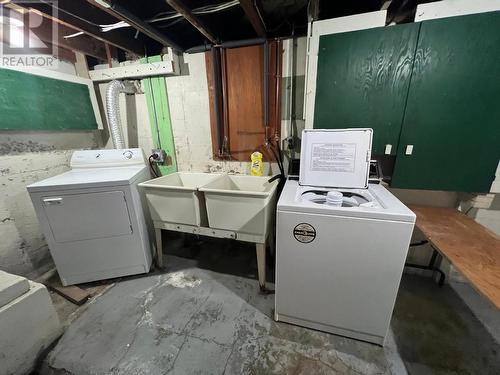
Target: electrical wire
171	23
114	26
54	5
278	156
207	9
73	35
151	166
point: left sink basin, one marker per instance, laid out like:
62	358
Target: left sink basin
175	198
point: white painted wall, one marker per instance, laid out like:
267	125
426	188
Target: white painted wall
190	116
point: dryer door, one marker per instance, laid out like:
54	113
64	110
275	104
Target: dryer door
78	217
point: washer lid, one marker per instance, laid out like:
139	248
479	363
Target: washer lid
335	157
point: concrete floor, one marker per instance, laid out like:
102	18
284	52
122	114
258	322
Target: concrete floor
205	315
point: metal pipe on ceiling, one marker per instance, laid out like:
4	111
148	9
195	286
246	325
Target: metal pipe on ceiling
243	43
228	44
192	19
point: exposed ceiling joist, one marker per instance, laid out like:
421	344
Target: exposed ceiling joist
65	54
81	43
125	15
254	16
77	15
192	19
59	52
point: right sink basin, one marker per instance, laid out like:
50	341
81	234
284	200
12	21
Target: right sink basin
241	203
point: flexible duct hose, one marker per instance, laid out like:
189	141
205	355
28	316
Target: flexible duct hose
113	111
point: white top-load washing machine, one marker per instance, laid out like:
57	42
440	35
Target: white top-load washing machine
341	242
92	216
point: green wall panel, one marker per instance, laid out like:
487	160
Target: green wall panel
155	89
32	102
453	111
363	79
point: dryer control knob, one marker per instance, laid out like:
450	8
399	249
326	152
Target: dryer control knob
128	154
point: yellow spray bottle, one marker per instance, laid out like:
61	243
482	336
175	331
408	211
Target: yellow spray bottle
256	167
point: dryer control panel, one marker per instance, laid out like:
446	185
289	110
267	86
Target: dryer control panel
107	158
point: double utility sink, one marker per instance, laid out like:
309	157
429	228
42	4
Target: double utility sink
239	203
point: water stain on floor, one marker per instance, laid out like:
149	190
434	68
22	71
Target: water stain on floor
436	332
205	315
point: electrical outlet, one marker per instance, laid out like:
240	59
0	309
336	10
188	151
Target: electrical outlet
159	155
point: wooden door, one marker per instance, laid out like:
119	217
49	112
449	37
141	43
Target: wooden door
243	70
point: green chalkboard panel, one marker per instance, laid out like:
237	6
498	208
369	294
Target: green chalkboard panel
362	81
452	117
33	102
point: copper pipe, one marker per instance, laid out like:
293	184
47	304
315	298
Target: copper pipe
217	77
277	91
225	110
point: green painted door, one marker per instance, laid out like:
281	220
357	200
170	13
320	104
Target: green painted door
452	117
362	81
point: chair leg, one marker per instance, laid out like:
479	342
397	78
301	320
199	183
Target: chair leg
431	266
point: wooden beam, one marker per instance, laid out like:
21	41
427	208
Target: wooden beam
109	58
252	12
125	15
81	43
65	54
76	14
81	65
58	51
192	19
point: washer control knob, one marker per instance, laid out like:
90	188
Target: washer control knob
128	154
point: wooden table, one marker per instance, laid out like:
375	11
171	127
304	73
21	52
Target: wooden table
471	248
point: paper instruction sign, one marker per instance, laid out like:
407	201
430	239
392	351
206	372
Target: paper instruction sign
333	157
